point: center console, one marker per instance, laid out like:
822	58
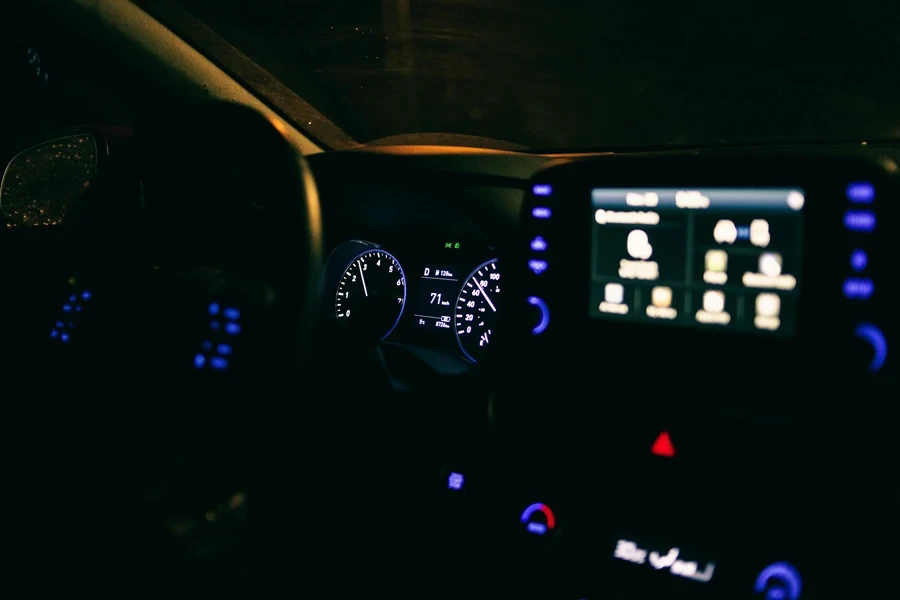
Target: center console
698	385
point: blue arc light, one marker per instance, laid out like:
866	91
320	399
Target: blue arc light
872	335
782	574
541	327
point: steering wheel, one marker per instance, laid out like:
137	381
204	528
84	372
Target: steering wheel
173	325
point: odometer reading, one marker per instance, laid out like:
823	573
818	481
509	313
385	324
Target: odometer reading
476	310
371	294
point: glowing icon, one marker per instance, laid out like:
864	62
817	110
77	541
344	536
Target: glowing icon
661	297
759	233
713	302
779	581
859	260
664	562
725	232
795	200
537	266
770	264
874	337
538	519
614	293
861	192
638	199
455	481
768	305
716	261
539	244
639	245
663	446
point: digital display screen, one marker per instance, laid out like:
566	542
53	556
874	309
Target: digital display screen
436	300
717	258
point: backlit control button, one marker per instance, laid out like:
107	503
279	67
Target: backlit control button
873	336
541	189
538	244
537	266
779	581
861	192
544	319
541	212
858	288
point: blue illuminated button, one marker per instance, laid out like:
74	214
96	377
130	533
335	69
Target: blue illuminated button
779	581
859	220
542	325
537	266
541	189
861	192
858	288
538	519
859	260
872	335
539	244
541	212
455	481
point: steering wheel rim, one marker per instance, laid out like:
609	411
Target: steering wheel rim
117	417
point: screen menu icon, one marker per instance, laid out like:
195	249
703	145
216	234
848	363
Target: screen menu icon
723	258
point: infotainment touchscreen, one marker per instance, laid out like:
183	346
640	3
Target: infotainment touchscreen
717	258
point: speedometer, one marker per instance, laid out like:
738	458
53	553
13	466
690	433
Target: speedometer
475	319
371	294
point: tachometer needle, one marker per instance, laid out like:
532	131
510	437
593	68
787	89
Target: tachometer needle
481	289
363	277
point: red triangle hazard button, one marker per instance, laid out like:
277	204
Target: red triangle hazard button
663	445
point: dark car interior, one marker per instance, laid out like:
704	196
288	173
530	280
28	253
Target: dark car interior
251	335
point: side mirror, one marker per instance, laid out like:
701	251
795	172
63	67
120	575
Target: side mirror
41	184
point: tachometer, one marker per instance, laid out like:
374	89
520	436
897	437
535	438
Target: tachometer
476	310
371	294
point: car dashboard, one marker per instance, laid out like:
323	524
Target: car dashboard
632	374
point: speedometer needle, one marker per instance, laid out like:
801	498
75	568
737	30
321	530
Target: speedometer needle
363	277
481	289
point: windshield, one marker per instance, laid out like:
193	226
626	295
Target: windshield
576	75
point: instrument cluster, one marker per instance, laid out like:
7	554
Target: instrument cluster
443	296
